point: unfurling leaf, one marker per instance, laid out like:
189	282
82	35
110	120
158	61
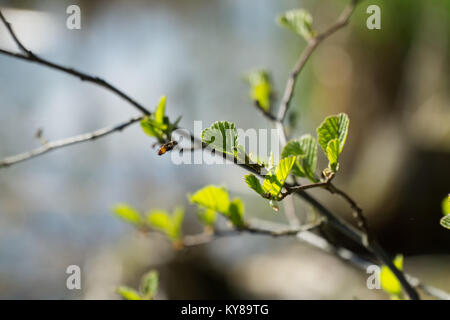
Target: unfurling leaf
128	293
260	88
389	281
216	199
169	224
157	124
212	197
299	21
305	150
149	285
332	134
273	181
445	221
221	136
207	216
128	213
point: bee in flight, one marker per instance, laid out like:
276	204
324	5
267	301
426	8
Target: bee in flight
167	147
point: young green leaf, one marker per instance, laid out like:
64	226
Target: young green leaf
149	285
169	224
260	88
216	199
207	216
160	110
221	136
128	293
299	21
127	213
274	181
445	221
333	154
236	212
446	205
212	197
253	182
305	150
389	281
333	128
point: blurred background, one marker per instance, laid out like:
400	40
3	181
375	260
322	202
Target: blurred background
55	209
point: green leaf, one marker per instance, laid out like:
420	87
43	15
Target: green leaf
236	212
212	197
305	150
128	293
445	221
216	199
274	181
254	183
127	213
299	21
333	154
207	216
389	281
260	88
149	284
446	205
333	128
160	110
169	224
157	124
221	136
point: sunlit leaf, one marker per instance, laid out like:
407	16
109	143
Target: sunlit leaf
169	224
149	284
299	21
207	216
212	197
389	281
274	181
128	213
260	88
221	136
160	110
445	221
333	154
333	128
305	150
128	293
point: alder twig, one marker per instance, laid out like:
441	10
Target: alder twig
311	46
29	56
53	145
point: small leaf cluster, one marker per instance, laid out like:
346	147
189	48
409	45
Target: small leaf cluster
147	290
298	21
169	224
157	124
260	88
214	199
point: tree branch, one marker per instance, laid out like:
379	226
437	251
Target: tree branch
312	45
31	57
335	222
53	145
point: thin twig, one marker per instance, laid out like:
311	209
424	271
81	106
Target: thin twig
312	44
31	57
53	145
